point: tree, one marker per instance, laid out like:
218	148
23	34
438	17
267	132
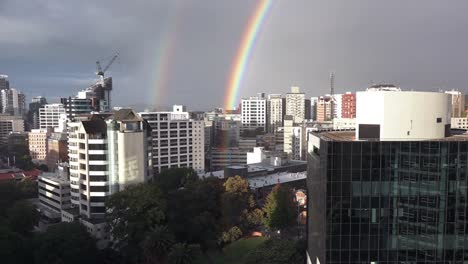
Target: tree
133	211
175	178
276	251
157	244
232	234
280	208
25	163
236	184
27	188
255	217
14	248
22	217
43	167
65	243
183	254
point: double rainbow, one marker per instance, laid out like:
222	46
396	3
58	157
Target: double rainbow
243	54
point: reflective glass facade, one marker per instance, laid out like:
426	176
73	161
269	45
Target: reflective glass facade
388	202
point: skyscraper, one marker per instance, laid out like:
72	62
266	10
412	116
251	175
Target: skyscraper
50	115
324	108
12	102
33	113
394	190
295	104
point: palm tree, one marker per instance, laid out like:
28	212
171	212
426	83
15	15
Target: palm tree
157	244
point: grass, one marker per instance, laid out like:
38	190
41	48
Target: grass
233	253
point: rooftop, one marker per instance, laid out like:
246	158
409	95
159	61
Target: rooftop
456	135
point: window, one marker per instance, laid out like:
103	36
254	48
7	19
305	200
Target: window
98	167
439	120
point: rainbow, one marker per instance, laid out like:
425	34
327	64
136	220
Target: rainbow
165	55
243	54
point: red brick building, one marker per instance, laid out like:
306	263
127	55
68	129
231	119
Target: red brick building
348	105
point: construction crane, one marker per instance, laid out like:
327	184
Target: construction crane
100	71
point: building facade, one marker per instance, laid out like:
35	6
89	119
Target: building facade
348	105
54	195
9	124
382	195
295	104
57	150
106	154
38	144
253	113
50	115
274	112
33	113
177	140
458	103
324	108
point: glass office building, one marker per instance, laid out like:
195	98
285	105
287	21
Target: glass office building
373	201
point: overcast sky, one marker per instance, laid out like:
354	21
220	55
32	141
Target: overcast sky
49	47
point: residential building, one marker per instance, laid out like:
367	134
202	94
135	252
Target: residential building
178	141
458	103
313	108
107	153
223	157
295	104
50	115
348	105
389	192
337	105
459	122
307	109
38	141
253	113
9	124
54	195
4	83
57	150
274	112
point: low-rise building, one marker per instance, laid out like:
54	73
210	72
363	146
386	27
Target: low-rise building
54	195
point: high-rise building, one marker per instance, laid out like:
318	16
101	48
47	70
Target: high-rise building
33	114
9	124
337	105
4	83
295	104
178	141
324	108
50	115
458	103
253	113
393	191
292	138
308	109
38	140
313	108
107	153
12	102
274	112
348	105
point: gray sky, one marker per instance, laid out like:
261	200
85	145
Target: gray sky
49	47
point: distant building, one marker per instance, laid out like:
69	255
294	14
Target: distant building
18	144
253	112
38	144
292	138
274	112
50	115
33	113
459	122
344	123
4	83
57	150
295	104
313	108
348	105
458	103
178	141
12	102
9	124
324	108
223	157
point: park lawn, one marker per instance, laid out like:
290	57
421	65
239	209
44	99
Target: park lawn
233	253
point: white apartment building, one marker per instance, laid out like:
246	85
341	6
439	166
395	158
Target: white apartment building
274	112
107	152
178	141
458	103
12	102
292	138
337	105
253	113
54	195
50	115
38	140
295	104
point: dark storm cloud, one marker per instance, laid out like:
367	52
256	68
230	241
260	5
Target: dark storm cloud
49	47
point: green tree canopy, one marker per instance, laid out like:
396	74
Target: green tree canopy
277	251
175	178
280	208
236	184
133	211
157	244
65	243
22	217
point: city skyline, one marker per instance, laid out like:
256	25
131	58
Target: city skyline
52	47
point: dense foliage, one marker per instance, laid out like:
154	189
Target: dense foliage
280	208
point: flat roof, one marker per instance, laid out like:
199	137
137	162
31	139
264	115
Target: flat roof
456	135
